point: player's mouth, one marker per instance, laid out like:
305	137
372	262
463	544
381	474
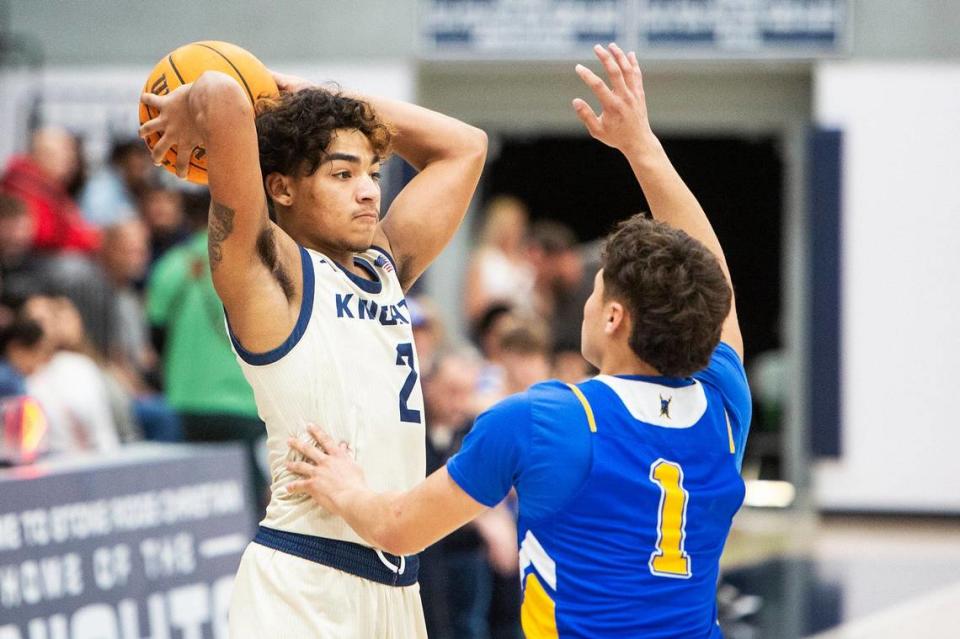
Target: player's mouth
367	215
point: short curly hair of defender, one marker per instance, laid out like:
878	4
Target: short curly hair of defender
674	290
295	129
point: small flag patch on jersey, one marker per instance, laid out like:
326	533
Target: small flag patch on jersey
384	263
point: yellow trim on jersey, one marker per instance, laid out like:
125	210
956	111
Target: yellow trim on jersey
733	447
538	613
586	407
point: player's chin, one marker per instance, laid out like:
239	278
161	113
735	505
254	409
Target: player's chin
361	241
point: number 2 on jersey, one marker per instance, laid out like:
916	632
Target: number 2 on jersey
405	358
669	559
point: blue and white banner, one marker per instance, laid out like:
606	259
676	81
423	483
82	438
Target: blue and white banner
145	544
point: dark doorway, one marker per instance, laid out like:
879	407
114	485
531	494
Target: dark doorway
739	182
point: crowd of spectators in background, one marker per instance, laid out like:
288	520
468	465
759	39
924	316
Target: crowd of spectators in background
111	332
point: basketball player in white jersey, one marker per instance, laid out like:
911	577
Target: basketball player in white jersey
313	284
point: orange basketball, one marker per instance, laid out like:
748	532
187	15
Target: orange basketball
185	65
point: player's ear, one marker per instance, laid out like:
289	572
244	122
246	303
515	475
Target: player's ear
279	188
614	317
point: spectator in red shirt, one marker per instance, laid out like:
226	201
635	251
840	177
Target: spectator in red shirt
40	180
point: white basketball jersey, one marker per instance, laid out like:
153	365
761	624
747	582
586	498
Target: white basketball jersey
350	367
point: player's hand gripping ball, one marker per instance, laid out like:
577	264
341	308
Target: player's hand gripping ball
185	65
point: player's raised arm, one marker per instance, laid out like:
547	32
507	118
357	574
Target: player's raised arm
214	112
449	156
624	125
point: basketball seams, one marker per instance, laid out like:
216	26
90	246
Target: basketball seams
232	66
210	56
175	69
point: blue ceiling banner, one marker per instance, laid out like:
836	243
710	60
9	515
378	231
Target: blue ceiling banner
667	29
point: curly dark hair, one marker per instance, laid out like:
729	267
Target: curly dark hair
674	290
295	129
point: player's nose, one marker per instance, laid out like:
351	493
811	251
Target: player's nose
368	189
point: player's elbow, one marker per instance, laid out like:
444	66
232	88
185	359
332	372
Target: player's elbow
476	144
395	537
216	90
397	545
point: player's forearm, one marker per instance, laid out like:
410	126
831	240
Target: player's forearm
670	200
424	136
381	520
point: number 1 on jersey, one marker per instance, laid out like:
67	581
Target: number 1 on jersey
405	357
669	559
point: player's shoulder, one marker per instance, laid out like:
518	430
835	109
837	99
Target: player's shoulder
557	407
541	404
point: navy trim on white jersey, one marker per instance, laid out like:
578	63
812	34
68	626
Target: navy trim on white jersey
387	255
306	309
369	286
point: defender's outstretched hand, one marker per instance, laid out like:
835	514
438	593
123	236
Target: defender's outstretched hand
175	123
623	122
329	473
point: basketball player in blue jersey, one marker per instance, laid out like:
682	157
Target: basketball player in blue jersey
313	282
627	482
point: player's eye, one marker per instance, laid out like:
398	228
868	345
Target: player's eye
376	175
343	175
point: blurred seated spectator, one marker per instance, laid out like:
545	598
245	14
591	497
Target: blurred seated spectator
457	574
132	360
41	179
563	284
70	387
202	380
499	272
18	275
23	351
488	331
163	210
124	260
110	196
428	331
524	352
45	245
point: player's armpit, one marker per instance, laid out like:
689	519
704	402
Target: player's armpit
260	295
449	156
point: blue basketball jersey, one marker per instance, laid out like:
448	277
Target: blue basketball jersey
627	488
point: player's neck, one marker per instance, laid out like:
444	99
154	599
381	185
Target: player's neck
622	361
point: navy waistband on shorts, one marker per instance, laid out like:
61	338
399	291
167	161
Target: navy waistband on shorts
349	557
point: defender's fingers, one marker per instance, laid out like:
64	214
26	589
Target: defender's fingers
614	73
325	441
635	72
626	68
300	468
587	116
596	85
309	452
183	162
297	487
